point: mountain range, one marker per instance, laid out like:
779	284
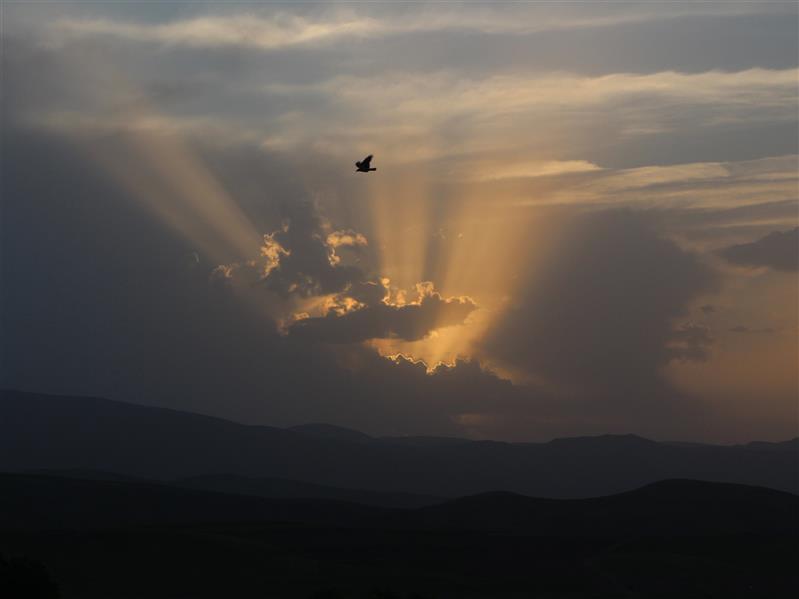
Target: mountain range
61	433
102	499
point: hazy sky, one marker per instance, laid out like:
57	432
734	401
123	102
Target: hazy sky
584	218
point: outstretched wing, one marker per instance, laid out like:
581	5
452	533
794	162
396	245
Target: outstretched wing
365	162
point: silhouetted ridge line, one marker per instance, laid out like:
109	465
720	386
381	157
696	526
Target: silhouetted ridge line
29	502
63	433
669	507
330	431
292	489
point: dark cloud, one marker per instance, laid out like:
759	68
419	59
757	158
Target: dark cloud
409	322
723	226
599	315
369	293
720	216
306	264
778	250
300	259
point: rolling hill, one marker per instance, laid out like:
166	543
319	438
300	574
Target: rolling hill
61	433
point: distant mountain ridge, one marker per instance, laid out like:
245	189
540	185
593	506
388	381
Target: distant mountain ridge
278	488
60	433
672	507
663	508
330	431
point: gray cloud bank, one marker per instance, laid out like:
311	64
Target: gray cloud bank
778	250
301	259
600	315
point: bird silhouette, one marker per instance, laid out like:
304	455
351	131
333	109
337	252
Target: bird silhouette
364	166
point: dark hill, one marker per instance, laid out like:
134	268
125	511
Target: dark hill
676	507
35	502
330	431
672	507
422	442
289	489
99	539
53	432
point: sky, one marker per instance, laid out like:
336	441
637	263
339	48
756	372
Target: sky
583	220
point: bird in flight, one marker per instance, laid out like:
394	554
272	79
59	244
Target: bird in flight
364	166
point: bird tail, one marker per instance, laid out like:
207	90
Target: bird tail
372	169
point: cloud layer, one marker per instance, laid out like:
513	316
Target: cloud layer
778	250
380	320
300	260
600	316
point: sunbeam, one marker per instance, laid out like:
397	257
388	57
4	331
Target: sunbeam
155	164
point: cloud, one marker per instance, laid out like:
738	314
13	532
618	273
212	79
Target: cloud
711	216
498	111
599	315
232	30
379	320
339	106
516	169
482	124
707	204
778	250
299	260
517	93
494	126
114	313
346	238
279	30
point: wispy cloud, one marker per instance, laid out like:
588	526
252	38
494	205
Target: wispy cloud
528	124
239	30
258	29
519	169
700	186
523	92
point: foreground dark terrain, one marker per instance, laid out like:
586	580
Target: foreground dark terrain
90	538
102	499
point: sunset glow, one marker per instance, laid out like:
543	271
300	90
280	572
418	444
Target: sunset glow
582	221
